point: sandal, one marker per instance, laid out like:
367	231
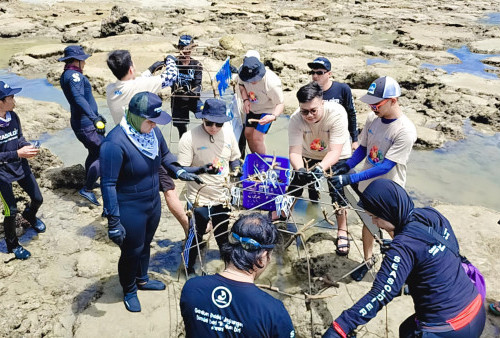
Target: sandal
342	246
494	308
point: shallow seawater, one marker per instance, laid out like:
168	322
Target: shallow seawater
375	61
470	63
491	19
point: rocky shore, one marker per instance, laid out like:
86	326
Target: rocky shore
70	285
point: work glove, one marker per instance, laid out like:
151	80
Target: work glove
183	175
303	176
116	231
318	172
340	180
340	168
208	169
237	172
155	66
100	124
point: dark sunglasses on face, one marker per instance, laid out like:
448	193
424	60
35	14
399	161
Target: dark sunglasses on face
247	243
210	124
306	112
317	72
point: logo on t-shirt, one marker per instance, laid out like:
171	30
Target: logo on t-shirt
221	297
252	97
318	145
76	77
375	156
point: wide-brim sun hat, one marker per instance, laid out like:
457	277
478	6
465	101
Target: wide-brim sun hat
214	110
252	70
148	106
74	52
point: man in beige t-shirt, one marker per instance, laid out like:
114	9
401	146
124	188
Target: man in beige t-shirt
214	145
263	101
318	139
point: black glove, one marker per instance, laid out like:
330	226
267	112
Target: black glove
237	172
116	231
340	180
303	176
386	245
100	124
155	66
340	168
209	169
318	172
235	167
183	175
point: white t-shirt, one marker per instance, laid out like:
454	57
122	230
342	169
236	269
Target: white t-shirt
314	138
393	141
119	94
265	94
195	149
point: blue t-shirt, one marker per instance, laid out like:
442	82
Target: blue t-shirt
214	306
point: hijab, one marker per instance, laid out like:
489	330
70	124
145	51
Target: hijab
145	143
389	201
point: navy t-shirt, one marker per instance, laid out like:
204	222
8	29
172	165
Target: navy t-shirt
214	306
341	93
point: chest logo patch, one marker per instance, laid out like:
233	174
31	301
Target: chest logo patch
318	145
375	156
221	297
252	97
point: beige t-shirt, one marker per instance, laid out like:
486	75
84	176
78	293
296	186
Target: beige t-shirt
314	138
195	149
393	141
265	94
119	94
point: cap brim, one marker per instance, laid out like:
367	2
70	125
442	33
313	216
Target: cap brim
314	65
164	118
216	119
370	99
77	57
256	78
13	91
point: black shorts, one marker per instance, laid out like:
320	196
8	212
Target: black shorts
262	128
181	108
166	182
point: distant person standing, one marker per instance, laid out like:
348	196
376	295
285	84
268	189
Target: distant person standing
335	91
86	122
186	90
14	167
263	101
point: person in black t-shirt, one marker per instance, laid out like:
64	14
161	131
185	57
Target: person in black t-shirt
186	92
336	92
229	303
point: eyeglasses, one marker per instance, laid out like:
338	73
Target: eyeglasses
306	112
210	124
247	243
375	107
317	72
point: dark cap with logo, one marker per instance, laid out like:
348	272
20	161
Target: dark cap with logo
184	41
5	90
74	52
148	105
252	70
382	88
214	110
320	62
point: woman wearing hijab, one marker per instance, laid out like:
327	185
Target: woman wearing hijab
130	158
447	304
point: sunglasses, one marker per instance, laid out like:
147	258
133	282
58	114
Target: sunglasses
210	124
247	243
375	107
317	72
306	112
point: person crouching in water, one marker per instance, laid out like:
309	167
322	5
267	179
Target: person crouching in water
213	144
130	157
447	304
14	167
232	294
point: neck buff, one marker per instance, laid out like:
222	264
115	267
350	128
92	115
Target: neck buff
145	143
389	201
4	122
72	67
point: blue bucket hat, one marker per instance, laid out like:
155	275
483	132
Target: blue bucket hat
74	52
184	41
5	90
148	106
320	62
214	110
252	70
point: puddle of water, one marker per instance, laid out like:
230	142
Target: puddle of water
8	47
491	19
376	60
470	63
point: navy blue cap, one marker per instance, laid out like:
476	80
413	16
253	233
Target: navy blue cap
74	52
5	90
252	70
214	110
184	41
320	62
148	105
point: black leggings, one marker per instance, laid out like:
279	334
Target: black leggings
408	329
28	183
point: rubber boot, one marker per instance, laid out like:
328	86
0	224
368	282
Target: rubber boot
9	225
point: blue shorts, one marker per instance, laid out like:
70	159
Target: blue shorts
263	128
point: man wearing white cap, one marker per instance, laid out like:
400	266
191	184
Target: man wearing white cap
384	144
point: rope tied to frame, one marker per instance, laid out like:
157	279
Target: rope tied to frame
284	204
236	195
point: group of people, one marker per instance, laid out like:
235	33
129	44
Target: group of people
134	164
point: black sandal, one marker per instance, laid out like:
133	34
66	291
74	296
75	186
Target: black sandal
342	246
